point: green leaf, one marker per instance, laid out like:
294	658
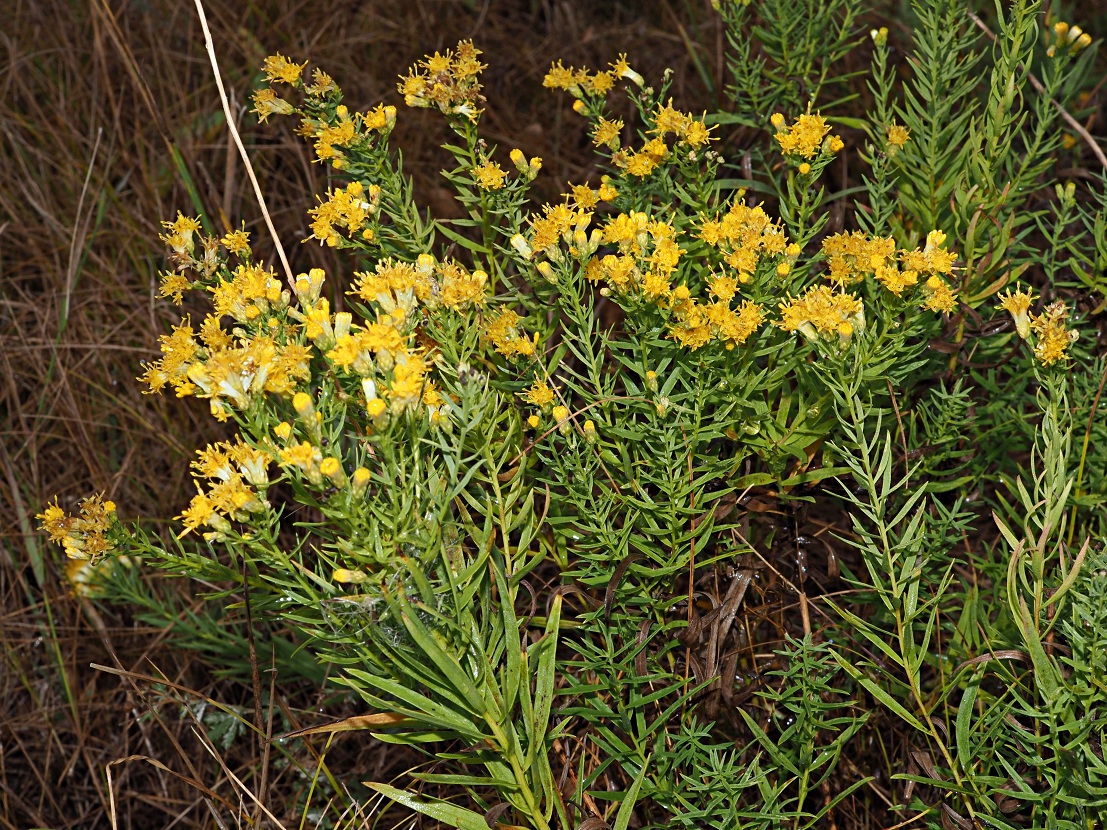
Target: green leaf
879	693
442	811
463	241
626	808
545	676
964	724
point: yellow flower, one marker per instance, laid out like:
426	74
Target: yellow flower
279	68
621	69
346	576
819	312
539	394
1053	337
607	132
489	176
641	165
504	334
1018	306
460	288
559	77
360	481
590	432
267	103
897	136
173	285
724	288
804	138
938	296
332	468
237	242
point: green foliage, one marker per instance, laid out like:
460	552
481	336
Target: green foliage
513	479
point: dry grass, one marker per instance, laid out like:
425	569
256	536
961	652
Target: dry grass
110	122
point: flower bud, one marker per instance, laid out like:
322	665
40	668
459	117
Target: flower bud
308	286
424	265
520	244
347	576
359	481
546	270
303	405
590	432
342	322
332	468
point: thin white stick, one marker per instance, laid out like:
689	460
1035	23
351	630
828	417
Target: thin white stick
241	148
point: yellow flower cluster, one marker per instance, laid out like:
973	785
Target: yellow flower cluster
449	82
334	133
226	371
821	314
648	254
349	209
1051	335
807	137
539	394
586	198
175	283
936	261
557	224
279	69
605	133
459	288
853	256
697	324
398	287
1072	38
83	537
232	468
305	456
489	175
267	102
746	236
688	130
897	138
383	352
506	336
578	82
180	234
344	131
387	346
253	291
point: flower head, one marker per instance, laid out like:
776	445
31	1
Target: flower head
1018	306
